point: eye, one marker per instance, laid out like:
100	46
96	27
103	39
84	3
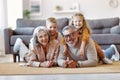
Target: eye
55	26
45	35
50	27
40	36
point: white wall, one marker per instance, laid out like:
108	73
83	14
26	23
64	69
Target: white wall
10	10
14	11
3	24
3	17
90	8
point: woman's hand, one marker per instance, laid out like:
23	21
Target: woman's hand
65	64
81	52
47	64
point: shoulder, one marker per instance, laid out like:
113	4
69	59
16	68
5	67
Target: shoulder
90	45
59	34
90	41
54	42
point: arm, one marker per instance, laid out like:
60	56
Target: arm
61	57
56	53
64	45
91	55
34	62
32	59
85	38
86	35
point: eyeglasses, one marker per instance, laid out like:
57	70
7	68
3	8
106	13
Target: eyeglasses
70	35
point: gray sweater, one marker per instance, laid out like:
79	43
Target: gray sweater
89	60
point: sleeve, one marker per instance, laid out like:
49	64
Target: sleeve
56	52
86	35
61	57
33	61
91	56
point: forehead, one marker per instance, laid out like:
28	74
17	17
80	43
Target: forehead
41	32
51	25
77	17
68	31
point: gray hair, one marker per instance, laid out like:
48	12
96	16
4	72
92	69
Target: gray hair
69	27
34	40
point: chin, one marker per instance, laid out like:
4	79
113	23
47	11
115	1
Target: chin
44	44
52	34
71	44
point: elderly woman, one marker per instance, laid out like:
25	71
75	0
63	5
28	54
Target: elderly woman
43	52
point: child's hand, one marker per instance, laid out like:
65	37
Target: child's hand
65	63
72	64
81	52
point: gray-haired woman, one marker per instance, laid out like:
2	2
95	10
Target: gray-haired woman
43	52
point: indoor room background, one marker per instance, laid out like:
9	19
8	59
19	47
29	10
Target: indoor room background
10	10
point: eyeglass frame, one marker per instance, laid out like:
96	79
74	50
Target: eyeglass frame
69	35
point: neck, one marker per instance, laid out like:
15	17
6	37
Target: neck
45	48
52	37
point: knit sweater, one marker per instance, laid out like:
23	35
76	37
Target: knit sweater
38	55
89	60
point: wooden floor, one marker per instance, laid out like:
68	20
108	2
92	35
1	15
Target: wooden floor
8	58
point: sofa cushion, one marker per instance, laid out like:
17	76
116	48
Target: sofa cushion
115	30
101	31
23	31
107	38
103	23
22	23
29	23
103	26
25	38
62	22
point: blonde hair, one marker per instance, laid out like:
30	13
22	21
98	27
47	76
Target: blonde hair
85	24
51	20
54	21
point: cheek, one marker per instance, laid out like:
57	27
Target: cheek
66	39
81	23
48	27
47	39
39	40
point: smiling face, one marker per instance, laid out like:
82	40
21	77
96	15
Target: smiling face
42	37
78	21
70	36
52	27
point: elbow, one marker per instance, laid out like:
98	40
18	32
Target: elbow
94	63
88	63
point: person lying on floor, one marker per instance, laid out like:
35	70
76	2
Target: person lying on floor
78	20
43	53
72	59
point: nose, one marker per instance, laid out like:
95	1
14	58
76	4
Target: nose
52	29
43	38
69	37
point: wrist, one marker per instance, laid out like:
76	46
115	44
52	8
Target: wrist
65	64
78	63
